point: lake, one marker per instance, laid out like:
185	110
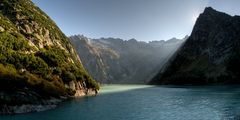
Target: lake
143	102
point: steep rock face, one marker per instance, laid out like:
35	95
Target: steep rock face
37	60
209	55
111	60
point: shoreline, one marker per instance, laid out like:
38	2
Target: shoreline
49	104
28	108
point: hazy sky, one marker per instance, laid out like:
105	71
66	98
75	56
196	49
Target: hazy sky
145	20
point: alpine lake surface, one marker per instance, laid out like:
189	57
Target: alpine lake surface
146	102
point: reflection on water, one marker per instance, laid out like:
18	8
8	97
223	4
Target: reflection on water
136	102
106	89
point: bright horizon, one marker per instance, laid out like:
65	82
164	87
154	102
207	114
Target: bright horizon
126	19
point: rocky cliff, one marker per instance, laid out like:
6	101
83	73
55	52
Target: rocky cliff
37	61
209	55
111	60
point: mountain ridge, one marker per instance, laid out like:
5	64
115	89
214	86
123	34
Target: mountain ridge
113	60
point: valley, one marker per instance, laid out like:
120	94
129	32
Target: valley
119	60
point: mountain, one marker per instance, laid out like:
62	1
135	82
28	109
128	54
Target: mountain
210	55
112	60
37	62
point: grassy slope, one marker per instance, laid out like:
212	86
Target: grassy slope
43	70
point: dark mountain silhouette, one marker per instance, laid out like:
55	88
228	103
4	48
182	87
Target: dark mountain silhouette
210	55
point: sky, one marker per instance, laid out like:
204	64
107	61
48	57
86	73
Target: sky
144	20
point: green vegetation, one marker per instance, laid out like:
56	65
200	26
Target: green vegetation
43	70
12	80
24	12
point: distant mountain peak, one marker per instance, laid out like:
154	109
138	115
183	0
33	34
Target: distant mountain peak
119	61
133	40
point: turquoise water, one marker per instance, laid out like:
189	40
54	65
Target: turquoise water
136	102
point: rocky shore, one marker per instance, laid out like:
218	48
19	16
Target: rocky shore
28	101
26	108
